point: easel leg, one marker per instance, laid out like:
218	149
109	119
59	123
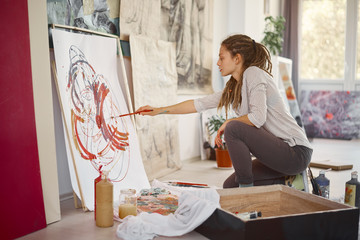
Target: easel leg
76	201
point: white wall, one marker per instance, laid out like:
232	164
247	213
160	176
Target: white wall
189	132
247	17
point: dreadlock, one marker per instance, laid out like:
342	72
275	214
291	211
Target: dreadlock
253	54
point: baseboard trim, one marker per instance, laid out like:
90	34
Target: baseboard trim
66	196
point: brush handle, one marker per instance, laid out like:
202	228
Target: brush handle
128	114
190	184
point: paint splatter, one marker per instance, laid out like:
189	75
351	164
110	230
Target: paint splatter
97	136
329	116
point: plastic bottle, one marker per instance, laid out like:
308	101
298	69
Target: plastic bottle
104	202
324	184
352	191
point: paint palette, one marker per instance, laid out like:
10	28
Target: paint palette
163	204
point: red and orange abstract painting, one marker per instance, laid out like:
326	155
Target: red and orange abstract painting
96	138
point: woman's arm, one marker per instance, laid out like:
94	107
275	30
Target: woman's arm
180	108
244	119
221	130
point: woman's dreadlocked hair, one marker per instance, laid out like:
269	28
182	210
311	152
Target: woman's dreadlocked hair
253	54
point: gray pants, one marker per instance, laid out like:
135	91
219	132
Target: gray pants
274	157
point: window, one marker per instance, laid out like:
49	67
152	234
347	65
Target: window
322	44
329	42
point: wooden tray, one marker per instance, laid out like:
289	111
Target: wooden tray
286	214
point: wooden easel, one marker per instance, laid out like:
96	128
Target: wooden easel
68	138
122	37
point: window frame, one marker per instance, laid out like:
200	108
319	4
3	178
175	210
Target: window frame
349	81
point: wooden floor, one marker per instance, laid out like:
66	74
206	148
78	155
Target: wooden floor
76	224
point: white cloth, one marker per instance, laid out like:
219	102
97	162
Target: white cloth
192	211
262	102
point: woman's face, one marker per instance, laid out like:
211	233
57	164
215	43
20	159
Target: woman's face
227	64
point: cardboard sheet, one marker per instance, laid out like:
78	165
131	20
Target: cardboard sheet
337	166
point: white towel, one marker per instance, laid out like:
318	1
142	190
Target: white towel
192	211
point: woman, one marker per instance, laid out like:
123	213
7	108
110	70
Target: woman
263	126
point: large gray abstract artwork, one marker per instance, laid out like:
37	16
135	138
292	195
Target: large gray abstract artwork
331	114
154	79
188	23
139	17
97	15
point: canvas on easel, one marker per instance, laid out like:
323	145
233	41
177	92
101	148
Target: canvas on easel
91	99
282	69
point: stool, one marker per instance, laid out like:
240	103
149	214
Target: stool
299	181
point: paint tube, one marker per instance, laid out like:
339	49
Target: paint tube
248	215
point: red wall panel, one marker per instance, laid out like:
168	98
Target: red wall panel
21	200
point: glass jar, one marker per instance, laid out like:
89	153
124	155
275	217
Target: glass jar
127	203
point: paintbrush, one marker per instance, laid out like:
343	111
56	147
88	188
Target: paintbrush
316	189
128	114
188	184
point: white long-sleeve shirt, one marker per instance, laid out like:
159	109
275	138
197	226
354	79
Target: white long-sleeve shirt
262	102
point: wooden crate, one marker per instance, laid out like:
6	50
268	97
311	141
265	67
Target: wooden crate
286	214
